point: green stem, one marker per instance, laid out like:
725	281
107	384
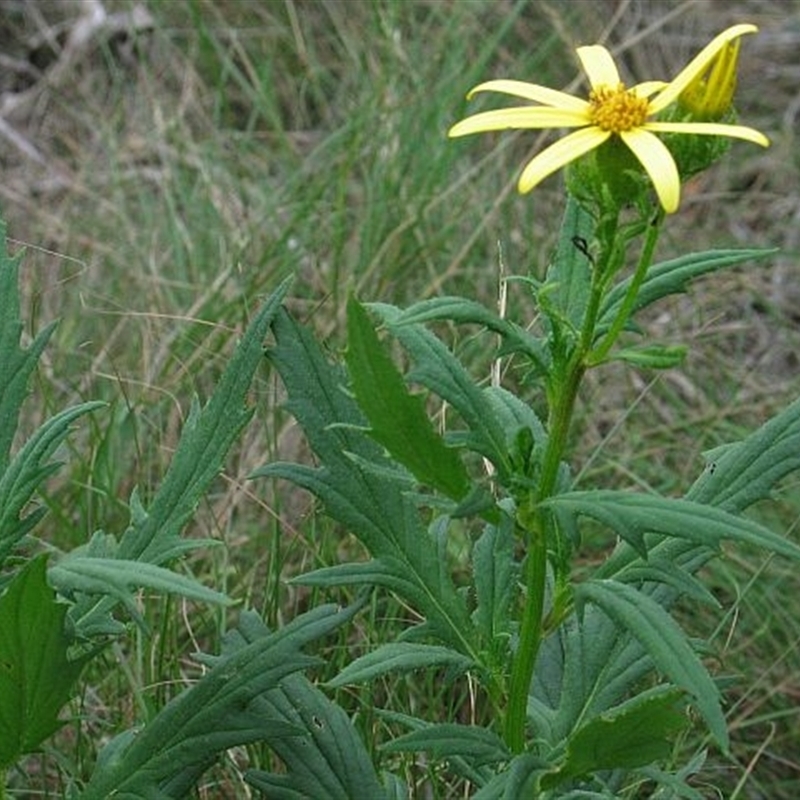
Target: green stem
537	526
597	356
536	523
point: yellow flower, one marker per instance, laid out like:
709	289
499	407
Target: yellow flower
611	110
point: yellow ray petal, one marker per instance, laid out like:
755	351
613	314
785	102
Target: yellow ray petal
696	66
532	91
646	88
710	129
517	118
552	158
659	165
598	65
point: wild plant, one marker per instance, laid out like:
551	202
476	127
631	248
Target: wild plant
463	494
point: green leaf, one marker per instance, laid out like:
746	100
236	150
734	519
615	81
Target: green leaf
672	277
154	534
16	364
632	515
447	741
495	574
166	757
399	657
635	734
36	676
436	368
461	310
398	420
663	640
205	440
656	356
25	473
658	571
736	476
519	780
588	666
358	485
324	757
565	293
120	577
745	472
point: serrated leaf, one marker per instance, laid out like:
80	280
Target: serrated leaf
25	473
399	657
398	419
205	440
36	676
218	712
636	734
632	515
369	502
664	642
120	577
436	368
446	741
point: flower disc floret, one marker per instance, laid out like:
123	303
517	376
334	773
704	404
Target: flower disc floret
617	109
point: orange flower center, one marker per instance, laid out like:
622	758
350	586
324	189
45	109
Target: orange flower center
617	109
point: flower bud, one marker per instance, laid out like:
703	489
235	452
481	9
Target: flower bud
709	97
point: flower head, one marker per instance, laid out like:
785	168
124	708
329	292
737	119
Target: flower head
611	110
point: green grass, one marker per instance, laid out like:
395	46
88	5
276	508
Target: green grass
240	142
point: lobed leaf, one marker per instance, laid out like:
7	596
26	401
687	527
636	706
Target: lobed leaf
360	486
153	535
205	440
166	756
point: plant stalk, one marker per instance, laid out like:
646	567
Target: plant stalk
533	519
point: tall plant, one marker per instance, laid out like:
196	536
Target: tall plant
588	678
